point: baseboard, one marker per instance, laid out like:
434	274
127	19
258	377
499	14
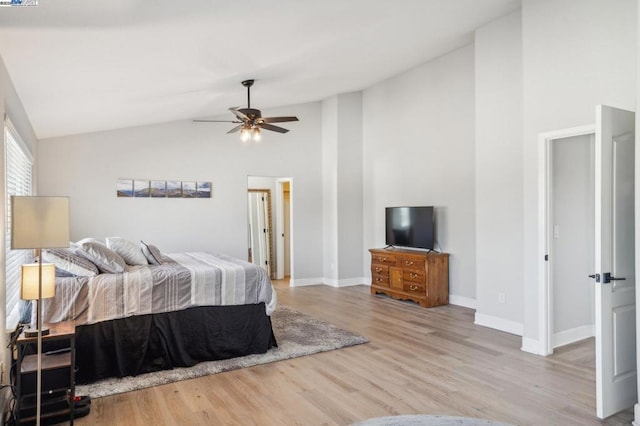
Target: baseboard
573	335
346	282
501	324
530	345
466	302
331	282
302	282
636	411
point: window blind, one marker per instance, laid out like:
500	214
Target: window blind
18	169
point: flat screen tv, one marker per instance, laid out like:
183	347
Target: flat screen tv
410	227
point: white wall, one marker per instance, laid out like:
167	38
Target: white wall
330	188
342	189
86	168
350	188
418	150
576	54
498	178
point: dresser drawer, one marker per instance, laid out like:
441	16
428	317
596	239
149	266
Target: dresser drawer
380	280
378	269
417	288
414	276
383	259
411	262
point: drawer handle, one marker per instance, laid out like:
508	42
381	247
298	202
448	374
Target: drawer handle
383	259
379	280
413	287
408	262
378	269
412	275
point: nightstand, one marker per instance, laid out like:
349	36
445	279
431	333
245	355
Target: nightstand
58	374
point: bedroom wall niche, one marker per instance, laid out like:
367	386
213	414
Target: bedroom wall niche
269	229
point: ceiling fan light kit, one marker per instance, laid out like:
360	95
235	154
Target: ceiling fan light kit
250	120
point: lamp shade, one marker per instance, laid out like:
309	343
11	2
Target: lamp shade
29	287
39	222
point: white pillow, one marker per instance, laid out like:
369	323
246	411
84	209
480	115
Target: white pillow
103	257
79	243
152	253
129	251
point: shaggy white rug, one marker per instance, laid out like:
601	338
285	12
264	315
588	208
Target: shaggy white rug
297	335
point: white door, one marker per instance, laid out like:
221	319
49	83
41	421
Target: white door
259	229
614	263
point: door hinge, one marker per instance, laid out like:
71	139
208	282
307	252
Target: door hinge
546	257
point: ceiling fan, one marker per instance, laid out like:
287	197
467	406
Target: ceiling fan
250	120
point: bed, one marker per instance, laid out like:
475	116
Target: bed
181	309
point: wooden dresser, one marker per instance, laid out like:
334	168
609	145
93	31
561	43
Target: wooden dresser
409	274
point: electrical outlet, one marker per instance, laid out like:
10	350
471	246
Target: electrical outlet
501	298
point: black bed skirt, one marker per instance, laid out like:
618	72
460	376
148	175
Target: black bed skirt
142	344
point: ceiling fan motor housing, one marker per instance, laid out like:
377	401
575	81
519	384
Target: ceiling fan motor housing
252	113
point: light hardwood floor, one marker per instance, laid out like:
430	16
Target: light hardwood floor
418	361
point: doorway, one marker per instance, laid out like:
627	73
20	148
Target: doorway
566	227
613	273
572	239
274	242
260	229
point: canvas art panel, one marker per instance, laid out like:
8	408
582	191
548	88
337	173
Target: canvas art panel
188	190
140	188
124	188
158	189
203	189
174	189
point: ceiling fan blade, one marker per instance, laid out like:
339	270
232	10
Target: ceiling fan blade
216	121
277	119
239	114
273	128
235	129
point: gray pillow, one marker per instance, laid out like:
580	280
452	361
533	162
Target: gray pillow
129	251
103	257
152	253
66	261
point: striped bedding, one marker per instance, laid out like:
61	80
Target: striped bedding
182	281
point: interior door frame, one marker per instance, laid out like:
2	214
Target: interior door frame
545	231
269	225
280	182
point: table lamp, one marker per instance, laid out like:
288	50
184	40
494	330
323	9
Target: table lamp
37	223
29	290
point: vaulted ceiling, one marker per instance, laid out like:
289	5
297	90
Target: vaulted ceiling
83	66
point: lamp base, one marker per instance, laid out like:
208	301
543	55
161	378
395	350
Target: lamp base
33	332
